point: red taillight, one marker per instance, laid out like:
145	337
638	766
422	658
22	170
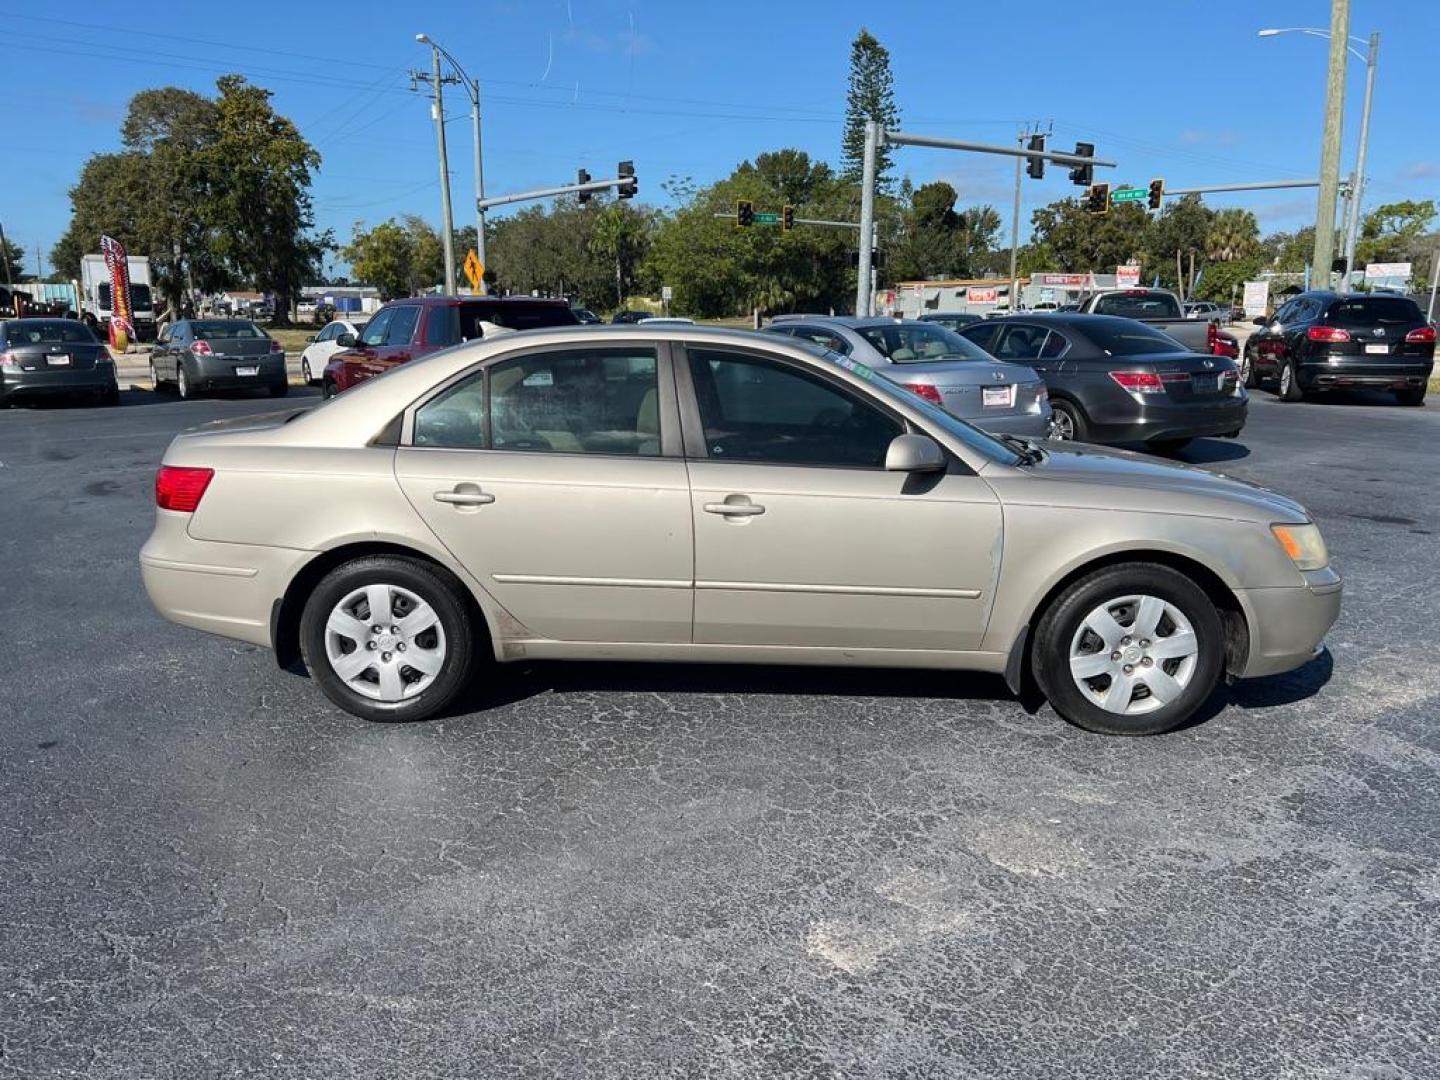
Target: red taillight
1424	336
1139	382
1327	333
925	390
276	347
179	487
1212	337
9	359
201	348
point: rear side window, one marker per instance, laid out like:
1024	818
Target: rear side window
1142	306
1371	311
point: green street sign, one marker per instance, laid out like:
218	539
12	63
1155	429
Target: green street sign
1129	194
765	217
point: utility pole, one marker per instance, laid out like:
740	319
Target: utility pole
479	180
437	109
1324	250
5	256
864	291
1015	234
1357	185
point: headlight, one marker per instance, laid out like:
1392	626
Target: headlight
1304	545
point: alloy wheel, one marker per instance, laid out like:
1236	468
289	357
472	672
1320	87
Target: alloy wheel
1286	377
1061	426
305	370
384	642
1134	654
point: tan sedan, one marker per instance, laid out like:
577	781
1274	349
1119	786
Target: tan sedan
689	494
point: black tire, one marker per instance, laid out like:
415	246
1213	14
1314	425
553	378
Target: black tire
432	585
1061	621
183	385
327	390
1288	387
1168	446
1075	418
1411	397
1247	370
156	383
280	389
305	371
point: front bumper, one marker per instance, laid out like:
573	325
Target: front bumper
57	382
225	589
1288	624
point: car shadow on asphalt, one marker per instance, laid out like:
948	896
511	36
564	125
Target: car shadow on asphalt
1210	451
1286	688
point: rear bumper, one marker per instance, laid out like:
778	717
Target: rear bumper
1151	421
17	384
1287	625
1028	425
225	589
1399	376
215	374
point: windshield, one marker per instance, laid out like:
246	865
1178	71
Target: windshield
1121	337
139	296
38	331
920	343
216	330
1139	306
973	437
1374	311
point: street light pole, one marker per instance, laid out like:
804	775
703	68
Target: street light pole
1357	188
1324	250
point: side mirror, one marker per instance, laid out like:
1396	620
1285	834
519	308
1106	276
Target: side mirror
1260	320
312	339
346	341
914	454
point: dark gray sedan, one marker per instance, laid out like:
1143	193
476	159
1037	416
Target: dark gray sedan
195	355
1116	380
54	357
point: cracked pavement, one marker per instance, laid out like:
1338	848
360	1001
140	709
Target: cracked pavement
625	871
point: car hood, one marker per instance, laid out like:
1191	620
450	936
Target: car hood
1103	478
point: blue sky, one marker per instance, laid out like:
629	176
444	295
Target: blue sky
1166	88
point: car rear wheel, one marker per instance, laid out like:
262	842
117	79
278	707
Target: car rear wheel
1411	397
1067	421
1289	388
183	385
1132	649
155	382
388	638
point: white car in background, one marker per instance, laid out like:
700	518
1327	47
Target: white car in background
320	347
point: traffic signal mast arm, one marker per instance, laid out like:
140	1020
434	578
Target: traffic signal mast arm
622	183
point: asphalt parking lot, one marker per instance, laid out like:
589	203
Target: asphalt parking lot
206	870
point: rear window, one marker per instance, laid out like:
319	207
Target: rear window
38	332
216	330
1120	339
919	343
1138	306
1374	311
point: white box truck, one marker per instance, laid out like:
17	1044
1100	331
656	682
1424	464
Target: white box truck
95	298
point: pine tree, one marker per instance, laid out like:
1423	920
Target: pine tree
871	96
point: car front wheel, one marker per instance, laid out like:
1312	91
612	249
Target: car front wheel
388	638
1132	649
1247	370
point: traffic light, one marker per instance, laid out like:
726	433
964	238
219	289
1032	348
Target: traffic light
1097	199
1157	194
583	177
1083	175
877	258
626	171
1035	167
744	213
787	218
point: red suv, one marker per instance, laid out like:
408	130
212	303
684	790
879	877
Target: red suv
407	329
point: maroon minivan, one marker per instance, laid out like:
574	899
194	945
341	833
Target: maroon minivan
416	326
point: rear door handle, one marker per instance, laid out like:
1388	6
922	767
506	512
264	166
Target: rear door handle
464	495
735	509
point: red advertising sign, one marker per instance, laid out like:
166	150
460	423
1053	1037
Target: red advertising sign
122	327
982	296
1072	280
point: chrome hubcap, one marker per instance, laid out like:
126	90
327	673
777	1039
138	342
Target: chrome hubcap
1134	654
385	642
1285	378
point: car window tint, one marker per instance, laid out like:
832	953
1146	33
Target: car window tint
754	409
1121	337
1374	311
1055	346
375	332
513	314
579	401
454	419
48	331
983	335
402	325
1021	342
1139	306
919	343
442	326
227	330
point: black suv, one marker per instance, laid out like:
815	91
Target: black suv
1324	340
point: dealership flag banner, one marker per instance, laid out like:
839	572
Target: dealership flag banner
122	329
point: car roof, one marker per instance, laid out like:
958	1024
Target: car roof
452	301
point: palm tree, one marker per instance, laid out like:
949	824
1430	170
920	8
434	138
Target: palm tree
618	236
1233	234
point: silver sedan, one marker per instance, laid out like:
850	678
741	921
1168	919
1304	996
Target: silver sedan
936	363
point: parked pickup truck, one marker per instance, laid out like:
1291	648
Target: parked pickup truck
1158	308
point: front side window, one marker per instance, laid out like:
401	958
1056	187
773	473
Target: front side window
402	325
757	409
374	333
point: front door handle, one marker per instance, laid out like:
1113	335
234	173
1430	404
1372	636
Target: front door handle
735	509
465	495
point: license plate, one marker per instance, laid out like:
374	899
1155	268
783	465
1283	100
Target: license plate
997	397
1205	384
247	371
1378	350
57	359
